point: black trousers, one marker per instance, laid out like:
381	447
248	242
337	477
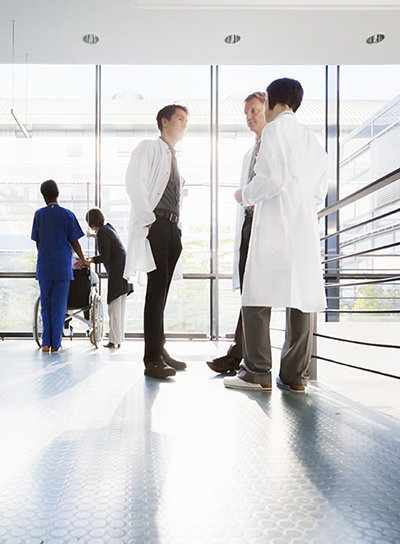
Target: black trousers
165	241
236	349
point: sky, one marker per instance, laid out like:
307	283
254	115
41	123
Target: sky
66	81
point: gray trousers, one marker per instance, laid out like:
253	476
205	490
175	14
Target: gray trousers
296	352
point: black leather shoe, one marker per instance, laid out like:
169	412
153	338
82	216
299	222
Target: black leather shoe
178	365
158	369
224	364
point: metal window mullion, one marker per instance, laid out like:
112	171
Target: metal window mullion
332	126
97	198
214	280
97	138
331	244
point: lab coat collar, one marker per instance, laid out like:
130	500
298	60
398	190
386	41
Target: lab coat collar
284	113
168	144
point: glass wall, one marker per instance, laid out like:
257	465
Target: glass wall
59	108
369	150
131	98
56	106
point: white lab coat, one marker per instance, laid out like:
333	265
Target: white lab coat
146	179
283	267
244	176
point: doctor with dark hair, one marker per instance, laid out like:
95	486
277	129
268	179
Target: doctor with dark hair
283	267
154	186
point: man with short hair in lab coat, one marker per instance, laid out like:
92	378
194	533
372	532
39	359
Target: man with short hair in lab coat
254	112
283	267
154	186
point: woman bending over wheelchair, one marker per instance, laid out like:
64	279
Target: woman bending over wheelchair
112	254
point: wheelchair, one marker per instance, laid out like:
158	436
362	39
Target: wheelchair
84	304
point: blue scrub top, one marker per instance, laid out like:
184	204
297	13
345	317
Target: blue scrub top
54	229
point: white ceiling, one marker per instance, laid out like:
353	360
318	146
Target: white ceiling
193	31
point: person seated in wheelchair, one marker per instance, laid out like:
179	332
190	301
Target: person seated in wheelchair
82	292
80	289
77	264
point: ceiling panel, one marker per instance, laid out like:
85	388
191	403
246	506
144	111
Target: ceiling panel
135	32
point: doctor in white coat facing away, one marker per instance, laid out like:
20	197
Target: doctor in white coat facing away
283	267
154	186
254	112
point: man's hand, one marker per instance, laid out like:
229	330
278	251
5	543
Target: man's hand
238	197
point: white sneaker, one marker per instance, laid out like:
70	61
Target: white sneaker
237	383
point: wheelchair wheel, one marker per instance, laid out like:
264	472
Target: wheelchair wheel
96	334
37	322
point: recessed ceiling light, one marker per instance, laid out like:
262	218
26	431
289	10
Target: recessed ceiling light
376	38
232	38
91	39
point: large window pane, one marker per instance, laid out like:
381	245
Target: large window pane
55	104
370	149
17	299
236	83
59	119
131	98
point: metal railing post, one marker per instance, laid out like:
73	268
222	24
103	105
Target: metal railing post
312	371
332	129
214	281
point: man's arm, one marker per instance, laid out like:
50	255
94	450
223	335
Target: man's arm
321	187
136	182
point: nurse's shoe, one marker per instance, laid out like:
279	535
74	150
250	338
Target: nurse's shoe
292	388
237	383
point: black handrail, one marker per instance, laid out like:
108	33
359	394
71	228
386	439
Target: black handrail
366	222
361	193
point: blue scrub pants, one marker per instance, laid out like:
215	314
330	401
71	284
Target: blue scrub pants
53	298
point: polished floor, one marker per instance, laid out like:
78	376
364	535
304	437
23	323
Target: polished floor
92	452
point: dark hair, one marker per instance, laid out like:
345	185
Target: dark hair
285	91
95	218
49	190
257	94
167	112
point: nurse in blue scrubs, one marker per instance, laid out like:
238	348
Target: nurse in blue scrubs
55	229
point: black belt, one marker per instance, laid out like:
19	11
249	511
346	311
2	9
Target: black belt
171	216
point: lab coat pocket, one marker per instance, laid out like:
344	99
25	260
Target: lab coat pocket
273	245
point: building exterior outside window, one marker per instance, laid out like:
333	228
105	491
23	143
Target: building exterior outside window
60	118
368	152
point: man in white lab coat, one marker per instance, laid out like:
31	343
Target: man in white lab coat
254	112
283	266
154	186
